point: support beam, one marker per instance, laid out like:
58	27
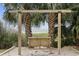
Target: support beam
59	32
19	32
41	11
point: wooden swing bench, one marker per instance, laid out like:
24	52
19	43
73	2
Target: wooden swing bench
39	42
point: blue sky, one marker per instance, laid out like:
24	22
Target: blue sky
1	10
42	28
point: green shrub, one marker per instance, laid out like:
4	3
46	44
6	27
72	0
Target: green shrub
65	42
77	42
7	40
68	42
55	43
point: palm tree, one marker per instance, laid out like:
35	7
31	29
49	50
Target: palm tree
51	21
74	22
26	17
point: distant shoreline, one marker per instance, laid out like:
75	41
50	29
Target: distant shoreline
39	32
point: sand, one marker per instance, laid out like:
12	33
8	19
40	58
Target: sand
25	51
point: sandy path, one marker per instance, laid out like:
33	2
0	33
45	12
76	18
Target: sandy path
65	51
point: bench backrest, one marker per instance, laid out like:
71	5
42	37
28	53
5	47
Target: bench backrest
39	41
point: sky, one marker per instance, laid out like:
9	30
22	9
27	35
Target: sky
1	10
42	28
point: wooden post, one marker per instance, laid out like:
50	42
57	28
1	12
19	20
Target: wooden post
59	32
19	33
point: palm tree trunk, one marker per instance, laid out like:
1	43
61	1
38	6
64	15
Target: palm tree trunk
51	27
27	27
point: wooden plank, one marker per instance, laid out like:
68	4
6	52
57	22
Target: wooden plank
8	50
38	42
19	33
59	33
41	11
